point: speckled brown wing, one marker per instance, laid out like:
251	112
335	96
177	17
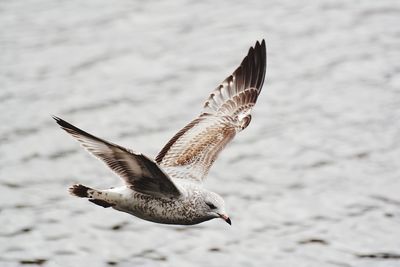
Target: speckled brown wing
193	150
137	171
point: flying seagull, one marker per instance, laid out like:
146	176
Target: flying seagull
170	188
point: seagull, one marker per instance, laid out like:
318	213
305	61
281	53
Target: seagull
169	189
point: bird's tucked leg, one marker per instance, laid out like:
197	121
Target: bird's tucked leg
101	202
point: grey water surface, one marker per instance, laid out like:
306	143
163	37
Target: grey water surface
313	181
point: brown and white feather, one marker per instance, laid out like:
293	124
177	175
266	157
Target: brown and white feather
192	151
136	170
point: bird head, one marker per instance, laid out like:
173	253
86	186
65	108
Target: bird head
214	206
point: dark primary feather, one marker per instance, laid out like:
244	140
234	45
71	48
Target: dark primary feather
138	171
242	87
192	151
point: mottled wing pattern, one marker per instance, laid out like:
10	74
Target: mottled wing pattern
137	171
193	150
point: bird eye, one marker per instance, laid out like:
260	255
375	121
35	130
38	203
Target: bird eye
211	206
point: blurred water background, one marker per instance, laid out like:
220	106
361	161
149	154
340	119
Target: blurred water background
313	181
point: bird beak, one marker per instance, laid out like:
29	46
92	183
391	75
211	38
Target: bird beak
225	218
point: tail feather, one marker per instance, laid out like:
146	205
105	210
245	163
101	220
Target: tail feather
79	190
95	196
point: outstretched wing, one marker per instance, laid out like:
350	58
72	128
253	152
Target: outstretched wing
138	171
192	151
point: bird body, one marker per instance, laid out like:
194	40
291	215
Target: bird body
170	188
185	210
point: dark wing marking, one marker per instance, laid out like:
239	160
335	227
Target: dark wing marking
138	171
193	150
238	93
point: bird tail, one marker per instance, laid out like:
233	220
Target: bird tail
80	190
95	196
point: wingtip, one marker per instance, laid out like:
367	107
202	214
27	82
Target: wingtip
263	44
260	44
57	119
63	124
